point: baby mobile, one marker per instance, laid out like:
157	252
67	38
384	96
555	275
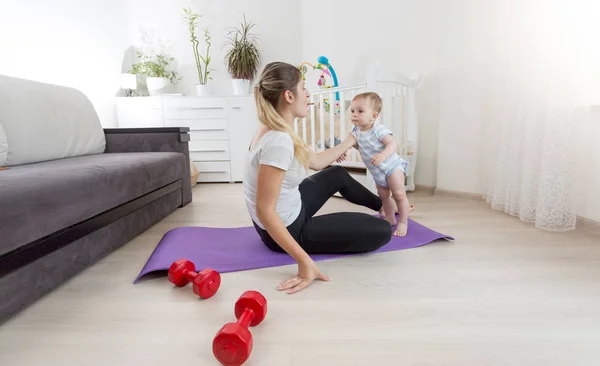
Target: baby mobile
326	70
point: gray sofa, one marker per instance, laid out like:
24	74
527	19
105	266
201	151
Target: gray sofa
59	216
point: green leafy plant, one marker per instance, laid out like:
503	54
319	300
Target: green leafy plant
202	62
243	57
154	66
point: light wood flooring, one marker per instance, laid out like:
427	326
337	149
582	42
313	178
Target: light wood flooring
503	293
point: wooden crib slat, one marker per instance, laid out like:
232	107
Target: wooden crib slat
405	132
342	117
353	157
322	121
397	121
304	129
332	120
312	123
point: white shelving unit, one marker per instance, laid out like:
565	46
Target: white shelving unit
221	128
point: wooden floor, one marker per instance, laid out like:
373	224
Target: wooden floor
504	293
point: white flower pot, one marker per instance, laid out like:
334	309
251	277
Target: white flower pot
203	90
156	86
240	86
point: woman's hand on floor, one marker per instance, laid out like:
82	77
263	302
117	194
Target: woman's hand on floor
307	273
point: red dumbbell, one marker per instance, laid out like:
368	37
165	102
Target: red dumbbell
205	283
233	343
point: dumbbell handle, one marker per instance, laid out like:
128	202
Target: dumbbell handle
246	318
190	275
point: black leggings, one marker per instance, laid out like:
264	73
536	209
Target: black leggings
343	232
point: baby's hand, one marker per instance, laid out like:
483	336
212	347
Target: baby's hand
341	158
377	159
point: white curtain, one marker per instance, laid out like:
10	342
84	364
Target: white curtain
541	77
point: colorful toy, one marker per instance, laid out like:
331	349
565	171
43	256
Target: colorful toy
325	65
326	70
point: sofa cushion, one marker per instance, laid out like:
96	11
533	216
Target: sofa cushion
39	199
46	122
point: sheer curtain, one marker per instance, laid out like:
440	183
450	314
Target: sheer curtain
541	79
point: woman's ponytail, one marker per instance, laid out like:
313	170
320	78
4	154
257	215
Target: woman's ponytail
273	83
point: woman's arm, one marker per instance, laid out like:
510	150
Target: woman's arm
269	180
323	159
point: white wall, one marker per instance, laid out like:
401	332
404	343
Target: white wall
462	56
452	45
87	44
549	43
402	35
588	170
278	30
67	42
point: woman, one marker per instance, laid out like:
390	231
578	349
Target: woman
282	201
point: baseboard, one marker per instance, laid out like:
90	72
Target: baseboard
457	194
582	222
588	224
421	188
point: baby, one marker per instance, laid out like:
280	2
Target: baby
378	151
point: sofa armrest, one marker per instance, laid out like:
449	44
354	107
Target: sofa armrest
159	139
138	138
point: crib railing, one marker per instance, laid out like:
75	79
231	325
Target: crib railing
399	115
328	122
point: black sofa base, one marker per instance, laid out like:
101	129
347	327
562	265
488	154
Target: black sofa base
60	256
26	254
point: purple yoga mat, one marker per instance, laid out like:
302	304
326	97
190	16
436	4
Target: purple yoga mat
238	249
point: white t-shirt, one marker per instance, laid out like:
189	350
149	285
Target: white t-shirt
275	148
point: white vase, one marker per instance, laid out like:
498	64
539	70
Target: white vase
156	86
203	90
240	86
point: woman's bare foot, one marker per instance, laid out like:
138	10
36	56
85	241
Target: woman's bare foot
401	229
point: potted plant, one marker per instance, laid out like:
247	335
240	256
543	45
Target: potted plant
202	62
156	70
243	57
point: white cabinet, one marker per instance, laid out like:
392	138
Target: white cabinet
221	128
243	120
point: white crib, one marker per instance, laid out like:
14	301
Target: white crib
326	126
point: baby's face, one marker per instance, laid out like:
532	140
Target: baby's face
362	112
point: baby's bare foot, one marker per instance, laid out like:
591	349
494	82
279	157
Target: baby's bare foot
391	219
401	230
382	213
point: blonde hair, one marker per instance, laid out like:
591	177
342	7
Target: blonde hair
373	98
276	78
